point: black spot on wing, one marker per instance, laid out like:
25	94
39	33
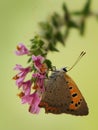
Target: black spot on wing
70	87
72	102
76	104
67	82
74	95
80	99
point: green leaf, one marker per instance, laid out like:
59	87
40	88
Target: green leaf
72	24
82	27
48	35
44	54
33	68
86	8
33	46
59	37
65	8
47	30
56	20
67	14
46	26
34	41
77	13
38	51
52	47
41	43
66	33
29	60
48	62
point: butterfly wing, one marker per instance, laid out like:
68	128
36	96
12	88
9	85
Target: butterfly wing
78	104
56	95
61	96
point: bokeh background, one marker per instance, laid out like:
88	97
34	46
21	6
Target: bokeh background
19	23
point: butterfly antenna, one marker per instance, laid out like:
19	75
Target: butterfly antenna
78	59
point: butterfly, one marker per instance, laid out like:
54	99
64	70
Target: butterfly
62	94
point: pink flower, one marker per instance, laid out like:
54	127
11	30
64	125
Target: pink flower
26	86
19	81
21	75
27	99
38	60
33	100
18	67
34	108
21	50
40	80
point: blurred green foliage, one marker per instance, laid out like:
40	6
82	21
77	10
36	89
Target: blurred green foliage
51	32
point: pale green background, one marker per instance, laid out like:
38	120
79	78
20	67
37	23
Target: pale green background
18	23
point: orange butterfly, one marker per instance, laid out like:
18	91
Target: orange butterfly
62	94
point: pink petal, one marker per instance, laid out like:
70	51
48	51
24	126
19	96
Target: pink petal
38	60
18	67
34	108
27	87
21	50
27	99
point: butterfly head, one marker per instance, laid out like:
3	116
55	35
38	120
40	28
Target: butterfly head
64	69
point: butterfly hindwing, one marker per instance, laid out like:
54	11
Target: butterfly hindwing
62	96
78	104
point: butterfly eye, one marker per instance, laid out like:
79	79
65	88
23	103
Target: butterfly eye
65	69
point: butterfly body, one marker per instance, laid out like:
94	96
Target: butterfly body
62	95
